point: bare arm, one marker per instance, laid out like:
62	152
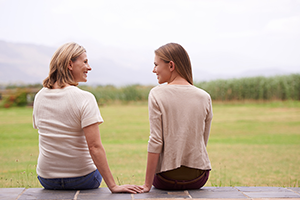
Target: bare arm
208	121
150	171
92	135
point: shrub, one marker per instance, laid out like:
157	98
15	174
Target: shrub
254	88
16	97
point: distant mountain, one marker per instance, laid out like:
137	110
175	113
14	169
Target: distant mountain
23	63
29	64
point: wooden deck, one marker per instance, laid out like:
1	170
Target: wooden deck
204	193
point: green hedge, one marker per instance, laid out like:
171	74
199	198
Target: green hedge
16	98
255	88
109	94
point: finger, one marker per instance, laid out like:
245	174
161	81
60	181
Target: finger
127	188
131	191
139	188
136	189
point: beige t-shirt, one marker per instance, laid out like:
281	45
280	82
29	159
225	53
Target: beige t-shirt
180	118
60	116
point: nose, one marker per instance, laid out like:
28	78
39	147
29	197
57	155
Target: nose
89	67
154	69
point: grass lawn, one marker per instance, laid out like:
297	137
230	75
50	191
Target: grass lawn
251	144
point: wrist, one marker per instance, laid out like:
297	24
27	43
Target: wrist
112	186
148	185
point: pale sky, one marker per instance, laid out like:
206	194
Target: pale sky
221	36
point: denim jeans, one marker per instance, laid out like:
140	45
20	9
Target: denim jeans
89	181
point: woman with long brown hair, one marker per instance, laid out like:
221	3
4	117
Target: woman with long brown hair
180	116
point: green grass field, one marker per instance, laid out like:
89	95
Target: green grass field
251	144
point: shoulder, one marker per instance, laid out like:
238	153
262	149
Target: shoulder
158	92
203	95
201	91
178	89
158	89
40	92
72	93
77	91
188	91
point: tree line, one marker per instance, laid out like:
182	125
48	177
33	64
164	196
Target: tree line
255	88
285	87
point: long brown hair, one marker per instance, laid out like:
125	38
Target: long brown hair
59	71
176	53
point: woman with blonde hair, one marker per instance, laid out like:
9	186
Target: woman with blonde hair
180	116
71	154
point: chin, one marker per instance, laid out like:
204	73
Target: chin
81	81
161	82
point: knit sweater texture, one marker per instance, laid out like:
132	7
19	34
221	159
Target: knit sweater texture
180	119
60	116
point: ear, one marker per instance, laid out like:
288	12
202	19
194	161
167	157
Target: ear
171	66
70	65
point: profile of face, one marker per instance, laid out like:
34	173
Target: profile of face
162	70
80	68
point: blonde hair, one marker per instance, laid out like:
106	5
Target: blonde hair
59	71
176	53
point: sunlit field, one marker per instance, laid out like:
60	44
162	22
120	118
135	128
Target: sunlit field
251	144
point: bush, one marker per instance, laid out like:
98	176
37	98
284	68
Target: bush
18	98
109	94
254	88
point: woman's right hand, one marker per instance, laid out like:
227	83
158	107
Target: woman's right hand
127	188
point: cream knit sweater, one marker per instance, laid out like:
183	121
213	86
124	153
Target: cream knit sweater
180	119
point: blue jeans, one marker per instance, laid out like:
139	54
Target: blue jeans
89	181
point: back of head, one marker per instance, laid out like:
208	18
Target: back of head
59	71
176	53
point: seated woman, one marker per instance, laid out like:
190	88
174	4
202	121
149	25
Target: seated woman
71	155
180	116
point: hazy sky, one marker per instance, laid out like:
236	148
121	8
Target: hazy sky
221	36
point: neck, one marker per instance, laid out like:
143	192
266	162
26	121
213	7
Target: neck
178	80
55	86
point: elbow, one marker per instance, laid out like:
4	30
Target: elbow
96	149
